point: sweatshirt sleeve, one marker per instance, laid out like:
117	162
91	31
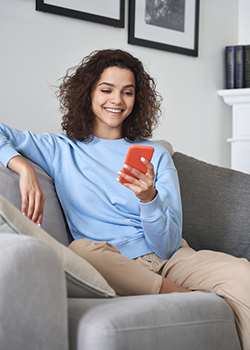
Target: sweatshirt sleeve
162	217
38	148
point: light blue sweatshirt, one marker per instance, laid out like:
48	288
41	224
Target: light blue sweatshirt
96	206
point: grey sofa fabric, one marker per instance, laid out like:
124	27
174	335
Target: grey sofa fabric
196	321
216	206
166	145
53	220
33	304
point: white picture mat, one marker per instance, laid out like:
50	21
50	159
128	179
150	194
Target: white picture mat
105	8
163	35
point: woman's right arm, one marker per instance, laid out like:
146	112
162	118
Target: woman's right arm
37	148
31	192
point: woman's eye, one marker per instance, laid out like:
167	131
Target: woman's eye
128	93
105	91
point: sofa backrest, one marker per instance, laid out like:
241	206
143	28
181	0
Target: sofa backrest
216	206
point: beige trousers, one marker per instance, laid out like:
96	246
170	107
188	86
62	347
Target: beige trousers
206	271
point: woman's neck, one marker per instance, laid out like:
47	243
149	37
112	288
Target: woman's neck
108	134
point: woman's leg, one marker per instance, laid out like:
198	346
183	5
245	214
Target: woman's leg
220	273
154	263
125	276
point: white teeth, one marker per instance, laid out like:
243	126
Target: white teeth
113	110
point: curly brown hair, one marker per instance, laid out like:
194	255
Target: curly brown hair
74	94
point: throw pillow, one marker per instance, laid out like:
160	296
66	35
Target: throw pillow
83	280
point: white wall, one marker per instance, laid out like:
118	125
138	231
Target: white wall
37	48
244	23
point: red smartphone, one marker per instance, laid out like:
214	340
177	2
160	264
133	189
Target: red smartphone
133	159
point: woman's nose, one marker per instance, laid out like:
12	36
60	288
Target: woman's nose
116	98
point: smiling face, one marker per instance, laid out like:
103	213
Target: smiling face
113	98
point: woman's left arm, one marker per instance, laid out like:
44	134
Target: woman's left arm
160	204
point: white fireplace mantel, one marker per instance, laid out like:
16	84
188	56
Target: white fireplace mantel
239	99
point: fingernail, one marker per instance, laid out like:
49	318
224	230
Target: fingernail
39	225
119	172
143	159
125	166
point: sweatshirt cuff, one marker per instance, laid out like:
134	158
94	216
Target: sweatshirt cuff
6	154
152	209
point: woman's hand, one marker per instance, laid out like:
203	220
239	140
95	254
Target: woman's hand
31	192
143	188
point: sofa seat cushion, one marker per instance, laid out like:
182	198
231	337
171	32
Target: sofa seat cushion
179	321
83	280
216	206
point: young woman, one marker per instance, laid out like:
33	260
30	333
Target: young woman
130	232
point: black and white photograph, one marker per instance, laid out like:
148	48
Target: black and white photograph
168	14
109	12
170	25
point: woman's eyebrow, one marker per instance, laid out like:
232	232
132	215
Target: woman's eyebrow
124	87
104	83
128	86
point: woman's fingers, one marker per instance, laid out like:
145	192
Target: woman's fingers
38	213
150	168
32	197
31	191
24	204
34	207
147	178
141	184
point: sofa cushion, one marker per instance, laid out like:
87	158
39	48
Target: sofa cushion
53	218
83	280
175	321
216	206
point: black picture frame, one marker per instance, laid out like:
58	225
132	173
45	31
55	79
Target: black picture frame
50	7
144	32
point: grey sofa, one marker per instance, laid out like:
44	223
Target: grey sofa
52	300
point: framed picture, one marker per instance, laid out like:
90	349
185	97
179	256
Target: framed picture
170	25
110	12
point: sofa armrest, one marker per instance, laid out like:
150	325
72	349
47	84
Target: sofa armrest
33	302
